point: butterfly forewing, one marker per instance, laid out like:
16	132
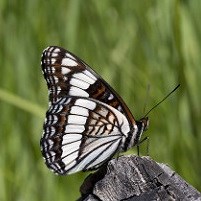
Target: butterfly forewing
68	75
87	122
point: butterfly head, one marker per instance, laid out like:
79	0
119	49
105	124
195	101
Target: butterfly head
144	123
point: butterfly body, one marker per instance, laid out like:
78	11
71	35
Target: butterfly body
87	121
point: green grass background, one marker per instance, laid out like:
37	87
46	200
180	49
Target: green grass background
131	44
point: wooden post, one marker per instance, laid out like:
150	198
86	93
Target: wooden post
136	178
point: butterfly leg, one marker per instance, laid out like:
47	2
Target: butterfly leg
118	154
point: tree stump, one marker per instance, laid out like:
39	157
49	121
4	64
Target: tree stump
136	178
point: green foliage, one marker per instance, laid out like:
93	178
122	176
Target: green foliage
132	44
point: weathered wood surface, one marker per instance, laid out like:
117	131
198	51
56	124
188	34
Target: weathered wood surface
136	178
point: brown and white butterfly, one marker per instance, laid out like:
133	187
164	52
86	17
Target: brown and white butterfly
87	121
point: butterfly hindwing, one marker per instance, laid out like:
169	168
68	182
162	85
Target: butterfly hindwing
81	134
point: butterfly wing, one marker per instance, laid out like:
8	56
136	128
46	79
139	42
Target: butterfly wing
81	134
66	74
87	122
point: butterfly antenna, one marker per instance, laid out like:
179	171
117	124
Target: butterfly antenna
162	100
146	98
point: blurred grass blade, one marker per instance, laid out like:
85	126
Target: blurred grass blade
21	103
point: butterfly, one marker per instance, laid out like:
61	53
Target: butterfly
87	122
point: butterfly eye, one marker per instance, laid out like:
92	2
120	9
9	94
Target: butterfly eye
87	121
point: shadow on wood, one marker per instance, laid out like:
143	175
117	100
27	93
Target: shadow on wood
136	178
